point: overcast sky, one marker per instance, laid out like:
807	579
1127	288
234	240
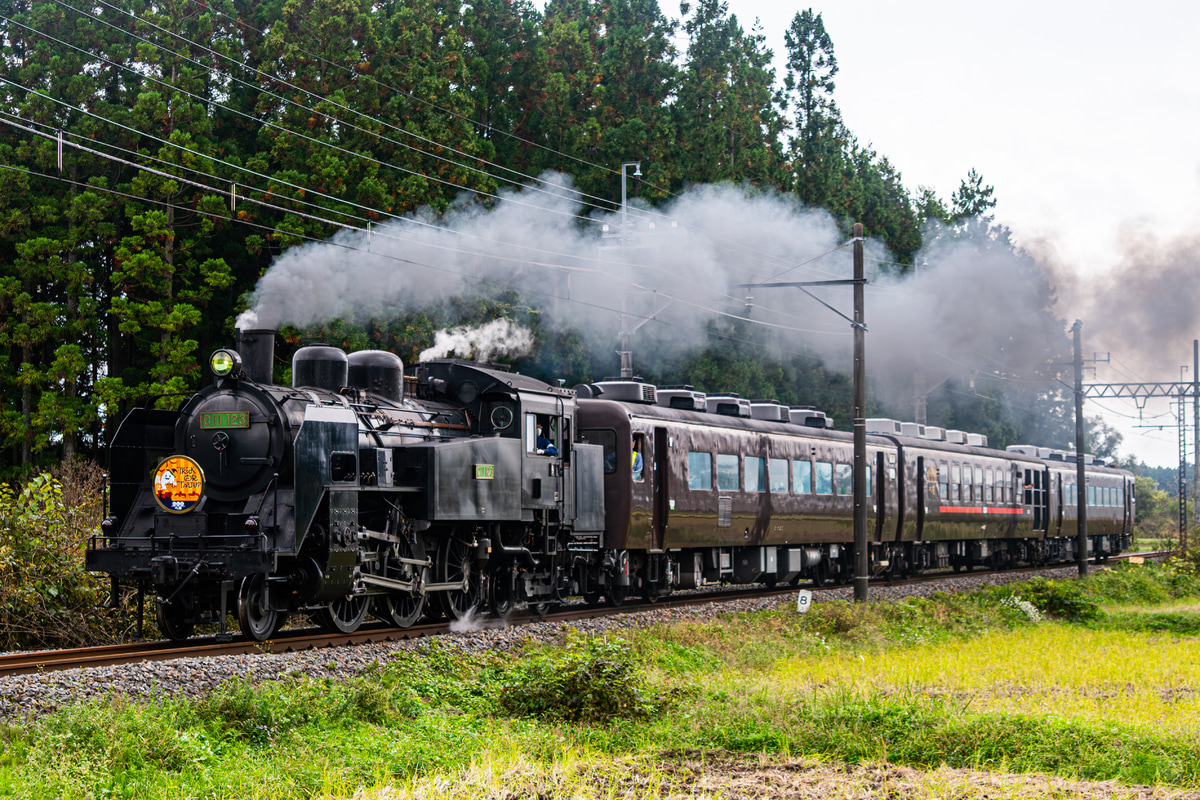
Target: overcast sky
1085	118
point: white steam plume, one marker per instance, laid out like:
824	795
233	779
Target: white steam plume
682	270
483	343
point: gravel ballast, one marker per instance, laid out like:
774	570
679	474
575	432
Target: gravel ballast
30	696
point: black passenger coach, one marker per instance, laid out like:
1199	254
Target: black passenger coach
361	490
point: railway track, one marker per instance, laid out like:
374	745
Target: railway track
295	640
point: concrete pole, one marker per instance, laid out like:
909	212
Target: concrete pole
1080	473
862	574
1196	431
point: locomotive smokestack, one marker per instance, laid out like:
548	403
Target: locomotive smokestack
257	349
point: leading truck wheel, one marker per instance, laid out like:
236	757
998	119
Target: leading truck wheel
172	620
257	621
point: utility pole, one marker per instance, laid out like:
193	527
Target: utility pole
625	337
862	564
1196	440
862	569
1080	474
1140	393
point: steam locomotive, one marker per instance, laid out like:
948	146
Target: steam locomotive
359	490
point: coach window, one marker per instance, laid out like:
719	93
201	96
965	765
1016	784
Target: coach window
756	474
699	471
638	455
978	496
988	484
607	439
802	477
1091	496
531	433
779	476
955	481
944	481
845	479
824	477
727	473
868	482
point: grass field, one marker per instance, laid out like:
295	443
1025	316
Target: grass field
1041	689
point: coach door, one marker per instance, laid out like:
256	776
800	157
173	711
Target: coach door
1037	497
662	490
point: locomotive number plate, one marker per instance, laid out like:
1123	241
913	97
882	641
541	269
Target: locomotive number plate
485	472
225	419
178	484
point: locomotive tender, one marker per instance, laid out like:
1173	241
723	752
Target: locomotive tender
357	490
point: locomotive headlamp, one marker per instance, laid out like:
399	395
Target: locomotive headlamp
224	362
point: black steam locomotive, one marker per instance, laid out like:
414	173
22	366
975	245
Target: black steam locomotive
361	490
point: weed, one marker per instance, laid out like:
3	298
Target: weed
1064	600
589	679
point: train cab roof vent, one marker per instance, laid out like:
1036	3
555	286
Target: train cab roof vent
809	417
728	405
1072	458
956	437
685	397
934	433
912	429
769	410
628	391
1025	449
978	440
884	425
587	390
1060	455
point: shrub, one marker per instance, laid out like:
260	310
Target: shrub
586	680
47	598
1060	599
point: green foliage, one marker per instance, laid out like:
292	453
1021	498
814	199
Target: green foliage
927	731
1157	513
356	112
588	679
47	599
1060	599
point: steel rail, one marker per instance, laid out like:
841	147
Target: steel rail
300	639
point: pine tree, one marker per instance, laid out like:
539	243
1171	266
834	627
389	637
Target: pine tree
816	148
726	119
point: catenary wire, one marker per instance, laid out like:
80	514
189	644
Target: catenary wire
413	262
337	200
211	70
310	139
